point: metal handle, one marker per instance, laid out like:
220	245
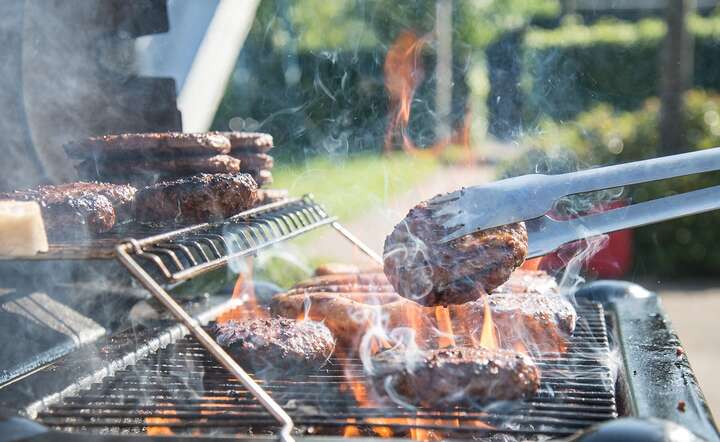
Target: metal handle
545	234
638	172
206	340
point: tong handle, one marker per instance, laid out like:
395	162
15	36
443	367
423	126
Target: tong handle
546	234
638	172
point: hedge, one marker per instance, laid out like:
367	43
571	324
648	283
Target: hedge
571	68
602	136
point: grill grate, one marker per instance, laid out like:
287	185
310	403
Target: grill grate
181	390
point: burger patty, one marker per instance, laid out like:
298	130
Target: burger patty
433	273
254	161
196	199
277	343
439	378
78	208
148	169
373	279
528	310
350	314
261	177
249	141
157	145
268	196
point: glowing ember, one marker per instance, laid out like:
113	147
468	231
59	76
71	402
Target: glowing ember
351	430
157	425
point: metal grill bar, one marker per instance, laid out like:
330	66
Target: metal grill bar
186	253
195	250
183	390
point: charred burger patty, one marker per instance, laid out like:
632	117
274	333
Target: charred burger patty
455	375
196	199
277	343
433	273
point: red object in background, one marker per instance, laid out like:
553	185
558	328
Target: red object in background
612	261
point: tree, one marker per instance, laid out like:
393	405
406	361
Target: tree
676	72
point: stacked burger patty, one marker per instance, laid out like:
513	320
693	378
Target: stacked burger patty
148	158
159	178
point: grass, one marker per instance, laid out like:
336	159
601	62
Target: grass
351	186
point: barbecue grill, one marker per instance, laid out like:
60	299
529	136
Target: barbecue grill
158	377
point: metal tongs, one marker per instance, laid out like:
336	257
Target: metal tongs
530	197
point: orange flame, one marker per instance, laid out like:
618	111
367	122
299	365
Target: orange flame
156	425
244	293
446	338
488	337
404	72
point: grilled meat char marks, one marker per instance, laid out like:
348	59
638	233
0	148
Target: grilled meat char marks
431	273
196	199
455	375
67	207
277	343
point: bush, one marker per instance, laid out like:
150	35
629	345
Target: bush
571	68
601	136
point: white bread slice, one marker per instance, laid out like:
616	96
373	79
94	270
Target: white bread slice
22	232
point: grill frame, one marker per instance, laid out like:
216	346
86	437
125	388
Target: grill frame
628	310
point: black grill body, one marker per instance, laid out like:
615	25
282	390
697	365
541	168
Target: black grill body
151	381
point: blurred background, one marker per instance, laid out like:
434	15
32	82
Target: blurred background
376	104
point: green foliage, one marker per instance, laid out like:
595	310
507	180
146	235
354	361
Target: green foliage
574	67
604	136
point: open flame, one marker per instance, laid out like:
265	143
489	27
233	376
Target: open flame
244	295
488	337
404	72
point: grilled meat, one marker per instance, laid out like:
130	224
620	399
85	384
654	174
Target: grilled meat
195	199
267	196
151	170
336	268
262	177
157	145
431	273
527	310
277	343
350	314
457	375
75	209
248	141
254	161
374	279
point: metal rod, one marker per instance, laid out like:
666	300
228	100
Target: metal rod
217	263
205	339
357	242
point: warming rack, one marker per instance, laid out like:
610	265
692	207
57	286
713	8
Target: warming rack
161	261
